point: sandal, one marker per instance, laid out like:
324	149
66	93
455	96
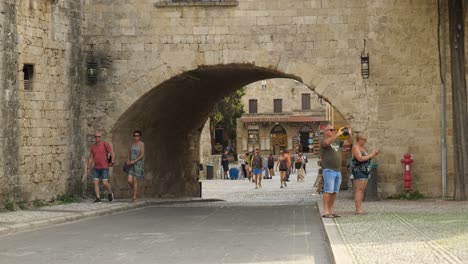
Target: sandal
328	216
336	215
360	213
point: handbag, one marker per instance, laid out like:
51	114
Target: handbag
108	154
126	167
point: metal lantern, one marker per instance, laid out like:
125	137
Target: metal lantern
365	68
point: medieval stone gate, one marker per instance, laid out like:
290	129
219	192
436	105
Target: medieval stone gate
160	66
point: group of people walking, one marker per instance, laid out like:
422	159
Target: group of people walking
102	156
252	166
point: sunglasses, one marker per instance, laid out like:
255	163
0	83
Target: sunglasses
136	135
97	136
331	129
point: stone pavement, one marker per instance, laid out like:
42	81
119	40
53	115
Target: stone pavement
398	231
427	231
24	220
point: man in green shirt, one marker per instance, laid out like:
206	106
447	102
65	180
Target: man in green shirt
330	156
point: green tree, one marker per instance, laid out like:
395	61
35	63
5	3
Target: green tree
225	113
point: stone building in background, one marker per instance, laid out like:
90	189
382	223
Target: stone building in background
279	114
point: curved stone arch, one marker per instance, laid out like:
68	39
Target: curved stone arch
135	87
151	103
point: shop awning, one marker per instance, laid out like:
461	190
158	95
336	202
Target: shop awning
282	119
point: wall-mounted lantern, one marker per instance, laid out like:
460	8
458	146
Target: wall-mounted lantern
264	86
365	68
91	69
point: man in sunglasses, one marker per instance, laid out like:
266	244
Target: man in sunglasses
98	155
330	155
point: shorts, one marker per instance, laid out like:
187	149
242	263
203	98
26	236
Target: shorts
331	181
225	168
257	171
357	175
101	174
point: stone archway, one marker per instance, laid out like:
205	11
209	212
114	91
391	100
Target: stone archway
171	117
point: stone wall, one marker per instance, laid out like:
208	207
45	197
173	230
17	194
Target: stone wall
9	167
161	67
42	145
315	42
403	93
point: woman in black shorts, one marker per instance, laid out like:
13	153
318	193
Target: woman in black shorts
283	168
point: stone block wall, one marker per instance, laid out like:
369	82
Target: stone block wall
315	42
152	57
42	146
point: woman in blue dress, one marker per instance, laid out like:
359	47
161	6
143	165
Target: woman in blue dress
136	161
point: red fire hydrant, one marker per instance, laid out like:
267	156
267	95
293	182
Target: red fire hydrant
407	161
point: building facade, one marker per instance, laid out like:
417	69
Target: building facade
279	114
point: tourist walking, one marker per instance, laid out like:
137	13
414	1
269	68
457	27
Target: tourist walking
271	165
304	158
265	168
248	167
242	163
257	167
288	157
360	170
136	162
282	165
99	155
330	155
225	164
299	165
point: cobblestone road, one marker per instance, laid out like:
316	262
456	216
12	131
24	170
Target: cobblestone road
243	192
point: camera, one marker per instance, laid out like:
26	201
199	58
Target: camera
345	131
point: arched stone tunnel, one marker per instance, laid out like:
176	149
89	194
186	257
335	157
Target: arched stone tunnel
171	117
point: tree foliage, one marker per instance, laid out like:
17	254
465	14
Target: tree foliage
226	112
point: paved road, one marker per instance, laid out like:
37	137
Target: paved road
196	233
269	225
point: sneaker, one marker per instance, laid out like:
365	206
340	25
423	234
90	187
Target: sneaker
285	185
98	200
281	186
256	186
260	185
110	196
